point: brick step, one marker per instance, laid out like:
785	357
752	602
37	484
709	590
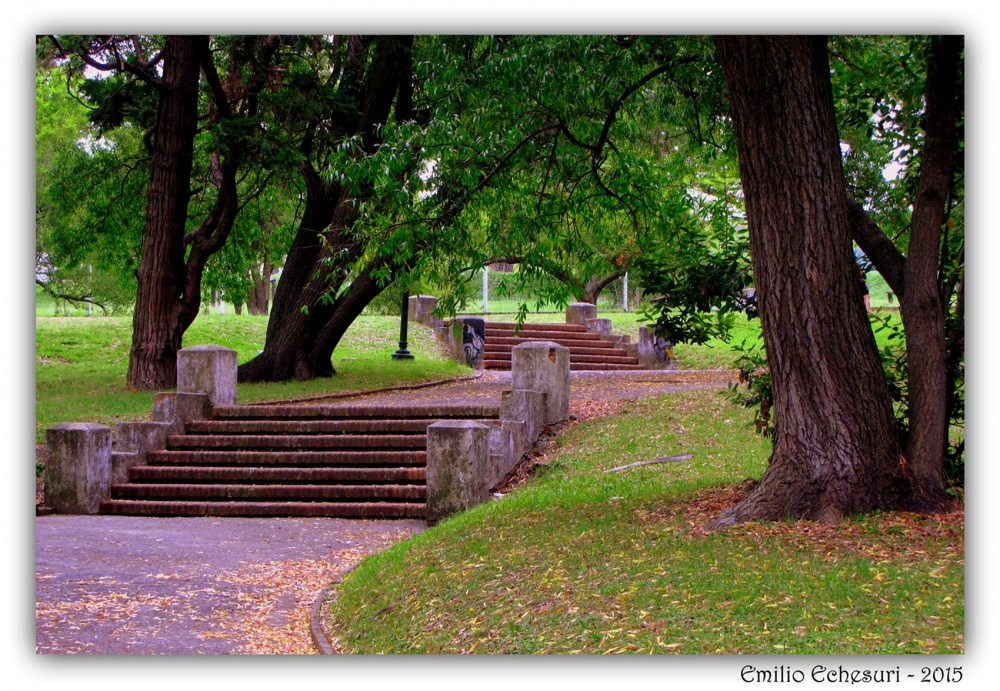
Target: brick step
231	492
504	365
287	458
569	343
589	366
256	426
536	326
265	509
297	441
542	335
575	354
291	475
356	410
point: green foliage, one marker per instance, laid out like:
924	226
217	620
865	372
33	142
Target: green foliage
696	296
754	376
89	197
515	156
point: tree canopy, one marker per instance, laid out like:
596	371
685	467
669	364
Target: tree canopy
172	167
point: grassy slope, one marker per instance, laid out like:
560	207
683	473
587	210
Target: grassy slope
582	561
80	364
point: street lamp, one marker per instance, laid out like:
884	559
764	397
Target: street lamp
402	353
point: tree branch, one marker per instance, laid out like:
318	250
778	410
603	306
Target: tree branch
877	246
87	298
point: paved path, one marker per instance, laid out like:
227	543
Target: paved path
139	585
584	386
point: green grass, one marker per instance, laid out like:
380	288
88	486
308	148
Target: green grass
582	561
81	363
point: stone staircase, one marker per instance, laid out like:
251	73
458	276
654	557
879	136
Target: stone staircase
328	460
587	350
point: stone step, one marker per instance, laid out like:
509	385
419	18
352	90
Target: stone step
258	426
287	458
265	509
297	441
267	492
449	411
288	475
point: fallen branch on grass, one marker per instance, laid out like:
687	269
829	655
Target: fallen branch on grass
661	459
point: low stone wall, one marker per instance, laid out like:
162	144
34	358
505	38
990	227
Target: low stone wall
421	309
654	352
461	469
81	464
466	340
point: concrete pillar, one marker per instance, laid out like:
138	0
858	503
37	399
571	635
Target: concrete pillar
507	443
175	409
135	440
580	312
208	369
527	407
654	352
78	468
543	366
601	327
457	456
421	309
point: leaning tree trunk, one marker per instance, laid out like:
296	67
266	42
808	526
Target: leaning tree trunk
916	281
161	276
835	449
921	306
305	323
296	312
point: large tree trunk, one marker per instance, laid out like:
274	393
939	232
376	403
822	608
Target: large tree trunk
835	449
156	324
170	271
312	269
596	284
305	324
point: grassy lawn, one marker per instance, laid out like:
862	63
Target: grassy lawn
81	363
583	561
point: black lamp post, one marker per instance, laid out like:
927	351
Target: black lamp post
402	353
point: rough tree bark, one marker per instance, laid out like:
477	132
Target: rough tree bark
915	277
161	274
172	262
305	324
835	450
